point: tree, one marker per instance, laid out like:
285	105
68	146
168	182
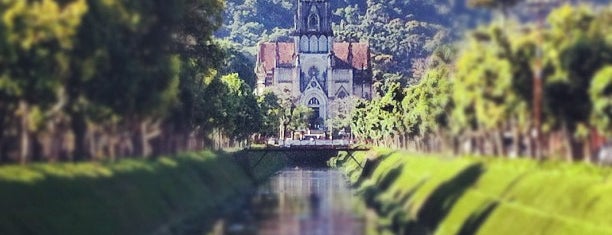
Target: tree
118	63
241	111
340	113
293	116
395	36
299	118
427	105
600	93
577	47
35	41
236	61
379	120
502	102
271	111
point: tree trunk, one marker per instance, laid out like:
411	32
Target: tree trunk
3	145
586	147
456	141
93	143
569	143
37	148
516	139
112	145
138	139
499	141
442	145
24	135
56	141
79	129
113	141
63	153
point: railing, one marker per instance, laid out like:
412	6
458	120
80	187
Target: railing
314	142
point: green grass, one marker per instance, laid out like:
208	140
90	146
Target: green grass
472	195
126	197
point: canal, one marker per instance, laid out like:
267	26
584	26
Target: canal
313	201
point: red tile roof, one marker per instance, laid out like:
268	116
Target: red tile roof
361	54
267	54
286	51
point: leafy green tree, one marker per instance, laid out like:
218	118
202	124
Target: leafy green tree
293	116
236	61
271	111
35	41
483	87
396	39
240	109
340	112
600	93
118	63
577	46
379	120
300	118
198	108
427	105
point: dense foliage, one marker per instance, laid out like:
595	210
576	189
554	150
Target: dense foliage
401	33
83	79
480	98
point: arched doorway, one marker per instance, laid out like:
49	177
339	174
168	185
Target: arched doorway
315	121
317	102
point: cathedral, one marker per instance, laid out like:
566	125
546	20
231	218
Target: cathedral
314	69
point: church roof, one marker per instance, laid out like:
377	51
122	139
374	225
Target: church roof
347	55
360	54
268	52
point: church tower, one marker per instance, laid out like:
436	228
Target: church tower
313	69
313	37
313	28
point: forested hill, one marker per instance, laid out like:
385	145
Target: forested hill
401	33
248	21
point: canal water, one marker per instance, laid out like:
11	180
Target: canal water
297	201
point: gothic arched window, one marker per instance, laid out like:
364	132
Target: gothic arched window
313	101
304	44
323	44
313	22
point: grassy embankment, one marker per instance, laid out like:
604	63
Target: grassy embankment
126	197
440	195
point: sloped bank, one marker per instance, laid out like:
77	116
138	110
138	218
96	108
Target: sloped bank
415	194
127	197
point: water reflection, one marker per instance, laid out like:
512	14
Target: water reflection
298	201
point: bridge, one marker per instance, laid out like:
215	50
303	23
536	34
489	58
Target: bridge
326	148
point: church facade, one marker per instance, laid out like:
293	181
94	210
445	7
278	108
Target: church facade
314	69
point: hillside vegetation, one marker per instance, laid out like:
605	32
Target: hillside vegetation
510	88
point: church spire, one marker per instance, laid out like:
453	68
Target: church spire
313	18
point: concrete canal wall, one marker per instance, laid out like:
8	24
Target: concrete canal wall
128	197
416	194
